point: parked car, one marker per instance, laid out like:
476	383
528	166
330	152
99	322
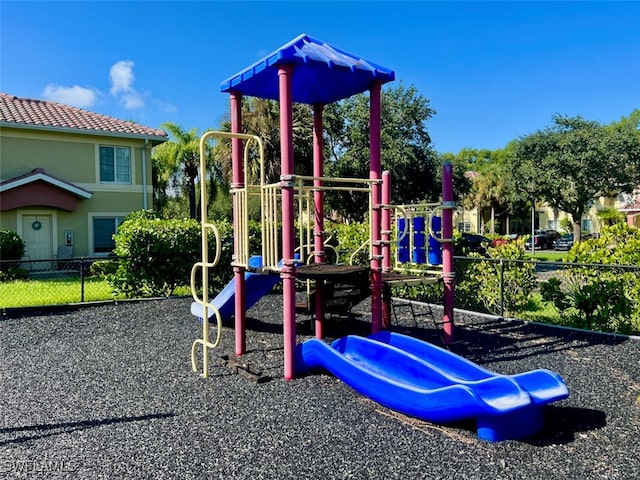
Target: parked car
539	242
542	239
566	241
474	243
552	237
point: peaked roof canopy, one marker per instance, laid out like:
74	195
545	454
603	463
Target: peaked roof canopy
322	73
40	188
29	113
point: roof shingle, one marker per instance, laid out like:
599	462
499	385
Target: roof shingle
16	111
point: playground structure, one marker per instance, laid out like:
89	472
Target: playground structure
308	71
402	373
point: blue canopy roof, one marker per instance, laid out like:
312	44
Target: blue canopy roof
322	73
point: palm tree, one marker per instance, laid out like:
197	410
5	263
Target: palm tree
261	117
180	161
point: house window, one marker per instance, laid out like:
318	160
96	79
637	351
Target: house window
464	226
103	230
115	164
587	225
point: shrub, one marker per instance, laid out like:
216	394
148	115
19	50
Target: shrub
11	245
11	249
104	268
599	298
157	255
481	279
347	238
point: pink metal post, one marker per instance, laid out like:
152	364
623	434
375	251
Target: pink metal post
288	272
448	271
375	172
238	182
318	221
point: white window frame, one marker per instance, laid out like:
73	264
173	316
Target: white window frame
118	170
464	227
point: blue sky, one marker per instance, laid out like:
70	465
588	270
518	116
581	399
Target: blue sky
493	71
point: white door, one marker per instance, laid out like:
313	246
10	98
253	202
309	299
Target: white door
38	238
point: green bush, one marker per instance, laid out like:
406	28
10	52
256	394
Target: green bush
104	268
11	245
598	298
11	249
347	238
156	256
479	281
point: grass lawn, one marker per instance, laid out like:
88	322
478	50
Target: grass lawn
546	256
59	291
52	291
539	311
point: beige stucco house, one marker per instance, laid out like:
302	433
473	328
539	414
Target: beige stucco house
68	176
546	218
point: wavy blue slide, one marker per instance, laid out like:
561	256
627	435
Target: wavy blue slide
257	285
433	384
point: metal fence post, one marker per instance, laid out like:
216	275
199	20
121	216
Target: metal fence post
82	280
501	287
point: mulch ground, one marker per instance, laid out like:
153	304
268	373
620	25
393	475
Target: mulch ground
108	392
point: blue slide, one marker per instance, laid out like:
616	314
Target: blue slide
433	384
257	285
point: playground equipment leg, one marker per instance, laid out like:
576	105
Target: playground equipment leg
447	252
240	311
238	182
288	274
318	217
375	173
386	247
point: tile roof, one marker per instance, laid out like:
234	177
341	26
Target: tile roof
632	206
26	112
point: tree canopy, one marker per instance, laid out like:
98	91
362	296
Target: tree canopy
175	166
576	160
405	144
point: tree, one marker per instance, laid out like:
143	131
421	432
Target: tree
261	117
576	160
405	144
176	165
490	176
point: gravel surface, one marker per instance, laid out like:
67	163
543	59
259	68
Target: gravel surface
108	392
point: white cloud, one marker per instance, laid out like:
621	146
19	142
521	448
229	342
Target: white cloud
122	78
75	96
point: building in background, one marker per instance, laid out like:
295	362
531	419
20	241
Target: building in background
68	176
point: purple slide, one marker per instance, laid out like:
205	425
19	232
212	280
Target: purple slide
433	384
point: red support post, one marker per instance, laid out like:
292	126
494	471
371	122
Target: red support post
318	218
288	271
238	182
375	172
448	271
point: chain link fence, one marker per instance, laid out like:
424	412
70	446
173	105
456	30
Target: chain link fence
31	283
603	297
594	296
